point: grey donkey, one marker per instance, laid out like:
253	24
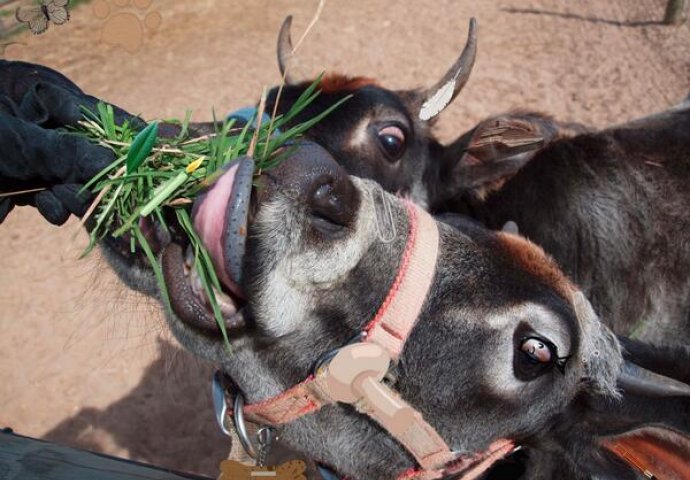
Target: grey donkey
503	348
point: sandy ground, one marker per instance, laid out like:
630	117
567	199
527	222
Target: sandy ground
88	363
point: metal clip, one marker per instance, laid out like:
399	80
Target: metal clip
385	222
220	404
265	436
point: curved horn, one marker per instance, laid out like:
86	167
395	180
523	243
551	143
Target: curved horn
440	95
639	381
285	50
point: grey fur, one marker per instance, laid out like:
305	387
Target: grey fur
480	296
589	234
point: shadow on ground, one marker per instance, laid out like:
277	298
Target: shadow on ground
174	389
584	18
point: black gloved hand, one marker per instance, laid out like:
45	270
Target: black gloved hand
34	101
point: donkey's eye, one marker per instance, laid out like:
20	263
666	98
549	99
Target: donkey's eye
537	350
392	140
535	356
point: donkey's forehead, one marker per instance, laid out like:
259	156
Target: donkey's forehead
534	261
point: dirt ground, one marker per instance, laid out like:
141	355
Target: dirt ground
86	362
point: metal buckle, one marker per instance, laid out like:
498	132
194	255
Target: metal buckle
220	404
265	434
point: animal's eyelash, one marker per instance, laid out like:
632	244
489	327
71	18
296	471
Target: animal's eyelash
560	363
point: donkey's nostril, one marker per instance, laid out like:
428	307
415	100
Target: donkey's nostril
329	206
324	198
312	180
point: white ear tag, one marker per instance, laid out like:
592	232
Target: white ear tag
439	100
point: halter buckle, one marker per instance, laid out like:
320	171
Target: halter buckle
220	403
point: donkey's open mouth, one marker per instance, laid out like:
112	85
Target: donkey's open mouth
221	217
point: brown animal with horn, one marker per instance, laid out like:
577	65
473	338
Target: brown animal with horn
380	134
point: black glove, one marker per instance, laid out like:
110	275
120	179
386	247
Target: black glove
34	101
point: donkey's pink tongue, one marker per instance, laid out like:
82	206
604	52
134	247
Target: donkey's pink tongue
220	219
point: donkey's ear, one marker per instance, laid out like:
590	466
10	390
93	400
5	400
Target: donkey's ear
628	421
483	159
654	452
646	429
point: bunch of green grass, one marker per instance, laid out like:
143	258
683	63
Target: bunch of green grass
151	174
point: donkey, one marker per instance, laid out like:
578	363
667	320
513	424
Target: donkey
385	344
608	205
379	134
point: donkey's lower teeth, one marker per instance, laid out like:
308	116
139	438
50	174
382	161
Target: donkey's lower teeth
189	258
189	299
228	306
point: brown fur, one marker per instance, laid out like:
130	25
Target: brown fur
335	82
533	259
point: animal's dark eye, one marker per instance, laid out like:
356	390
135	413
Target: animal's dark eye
392	140
537	350
535	356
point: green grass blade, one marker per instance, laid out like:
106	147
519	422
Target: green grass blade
158	272
301	128
141	146
185	126
110	168
307	97
106	117
186	222
164	192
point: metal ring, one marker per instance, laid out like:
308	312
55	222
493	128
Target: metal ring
240	426
266	435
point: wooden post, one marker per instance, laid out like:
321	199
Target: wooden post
674	12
